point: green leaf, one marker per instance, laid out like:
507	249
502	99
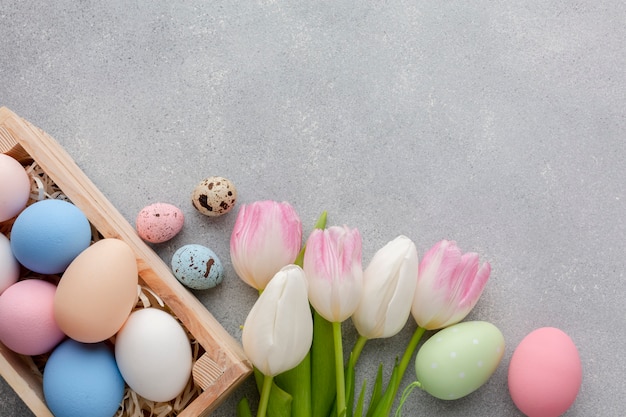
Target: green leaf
297	382
243	408
324	389
321	224
351	372
377	392
350	376
358	411
385	403
279	404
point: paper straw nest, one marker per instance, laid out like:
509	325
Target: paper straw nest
133	405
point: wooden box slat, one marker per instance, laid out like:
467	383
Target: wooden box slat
220	370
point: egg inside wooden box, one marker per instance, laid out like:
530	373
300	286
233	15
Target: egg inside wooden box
100	288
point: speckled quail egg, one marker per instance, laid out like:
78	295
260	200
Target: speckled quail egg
197	267
214	196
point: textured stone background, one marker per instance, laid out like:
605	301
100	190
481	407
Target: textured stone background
500	125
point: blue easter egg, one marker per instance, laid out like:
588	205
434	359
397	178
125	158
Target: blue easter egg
48	235
82	380
197	267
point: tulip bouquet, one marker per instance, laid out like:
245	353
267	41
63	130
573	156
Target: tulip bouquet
293	334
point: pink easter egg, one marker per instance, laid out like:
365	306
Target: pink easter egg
27	324
159	222
545	373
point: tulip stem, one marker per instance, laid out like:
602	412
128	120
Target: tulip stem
350	372
358	348
340	377
408	353
265	395
394	384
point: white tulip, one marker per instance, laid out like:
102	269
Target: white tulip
278	331
388	286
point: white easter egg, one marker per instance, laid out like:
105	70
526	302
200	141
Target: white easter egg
153	354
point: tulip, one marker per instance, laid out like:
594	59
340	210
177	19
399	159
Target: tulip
388	287
449	285
332	263
266	237
278	331
389	284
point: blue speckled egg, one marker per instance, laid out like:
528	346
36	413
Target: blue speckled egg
197	267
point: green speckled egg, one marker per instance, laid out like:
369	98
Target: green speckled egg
459	359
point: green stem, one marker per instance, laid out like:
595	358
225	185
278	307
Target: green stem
265	395
394	385
340	378
350	373
408	353
358	348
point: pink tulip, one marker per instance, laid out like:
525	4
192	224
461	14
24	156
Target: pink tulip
332	263
266	237
449	285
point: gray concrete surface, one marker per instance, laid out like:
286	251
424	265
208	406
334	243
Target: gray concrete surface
498	124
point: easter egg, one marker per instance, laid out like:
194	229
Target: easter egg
27	324
9	267
545	373
97	291
14	187
48	235
459	359
159	222
82	380
153	354
197	267
214	196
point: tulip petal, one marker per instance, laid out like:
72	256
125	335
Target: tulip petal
478	285
332	262
278	331
389	284
449	286
267	236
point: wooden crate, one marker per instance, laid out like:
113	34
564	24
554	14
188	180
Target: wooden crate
217	372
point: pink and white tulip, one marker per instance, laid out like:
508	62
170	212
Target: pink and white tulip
389	284
278	331
267	236
332	263
448	287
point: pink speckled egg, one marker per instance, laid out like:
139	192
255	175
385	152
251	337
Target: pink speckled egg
27	310
545	373
159	222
